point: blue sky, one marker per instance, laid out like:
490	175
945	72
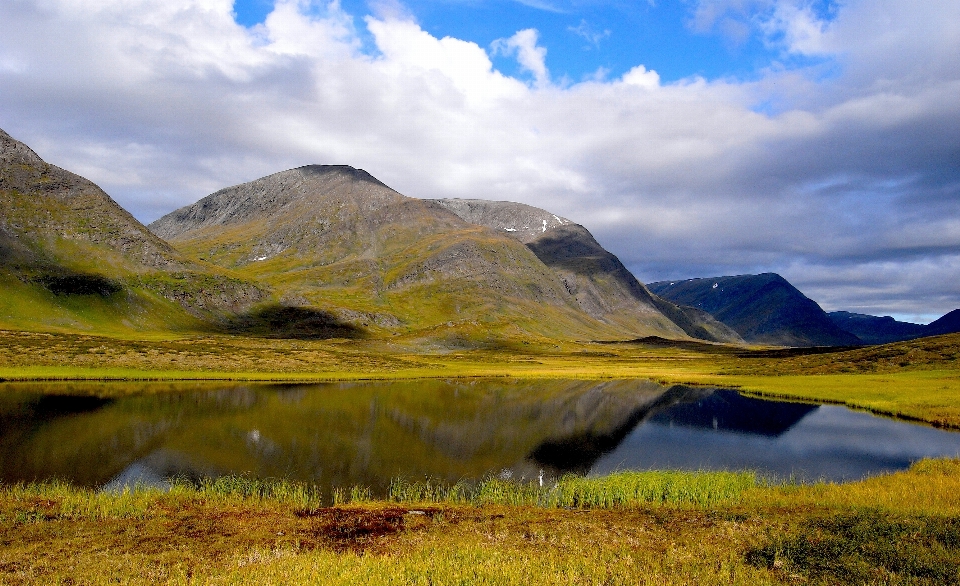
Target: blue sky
818	139
590	37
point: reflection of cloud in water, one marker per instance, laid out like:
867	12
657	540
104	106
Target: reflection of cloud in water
137	474
157	468
831	443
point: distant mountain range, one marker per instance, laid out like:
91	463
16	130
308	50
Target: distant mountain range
330	251
884	330
767	309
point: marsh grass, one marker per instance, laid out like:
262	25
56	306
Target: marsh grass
53	500
621	489
56	500
658	527
282	491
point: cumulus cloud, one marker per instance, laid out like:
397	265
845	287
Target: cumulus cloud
843	177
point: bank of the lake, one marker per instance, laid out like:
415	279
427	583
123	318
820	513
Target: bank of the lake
901	528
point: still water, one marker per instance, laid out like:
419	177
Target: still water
344	434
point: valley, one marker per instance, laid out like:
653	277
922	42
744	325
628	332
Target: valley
323	274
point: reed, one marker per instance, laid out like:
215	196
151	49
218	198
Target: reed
282	491
621	489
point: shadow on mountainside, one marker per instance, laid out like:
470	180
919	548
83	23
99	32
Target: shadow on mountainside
64	282
299	323
78	284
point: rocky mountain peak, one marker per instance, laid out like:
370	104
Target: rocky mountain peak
523	222
312	193
14	151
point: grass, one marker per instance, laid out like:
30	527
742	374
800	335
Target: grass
867	546
622	489
712	528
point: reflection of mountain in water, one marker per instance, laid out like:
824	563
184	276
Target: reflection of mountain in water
731	411
680	405
577	452
332	434
341	434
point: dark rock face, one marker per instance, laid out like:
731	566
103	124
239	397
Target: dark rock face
877	330
947	324
764	309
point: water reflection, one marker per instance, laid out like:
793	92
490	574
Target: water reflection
368	433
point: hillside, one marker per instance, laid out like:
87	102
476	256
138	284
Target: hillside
72	258
336	239
764	309
598	281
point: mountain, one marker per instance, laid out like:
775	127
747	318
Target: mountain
884	330
877	330
601	285
948	324
763	309
337	239
72	258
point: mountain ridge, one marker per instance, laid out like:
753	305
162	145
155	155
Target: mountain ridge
601	285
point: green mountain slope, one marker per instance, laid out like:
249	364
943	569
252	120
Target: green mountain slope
336	239
602	286
764	309
72	259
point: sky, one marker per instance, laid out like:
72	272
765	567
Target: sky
818	139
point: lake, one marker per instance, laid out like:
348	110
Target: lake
367	433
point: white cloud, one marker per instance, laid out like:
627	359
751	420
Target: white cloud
290	31
841	184
641	77
531	57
